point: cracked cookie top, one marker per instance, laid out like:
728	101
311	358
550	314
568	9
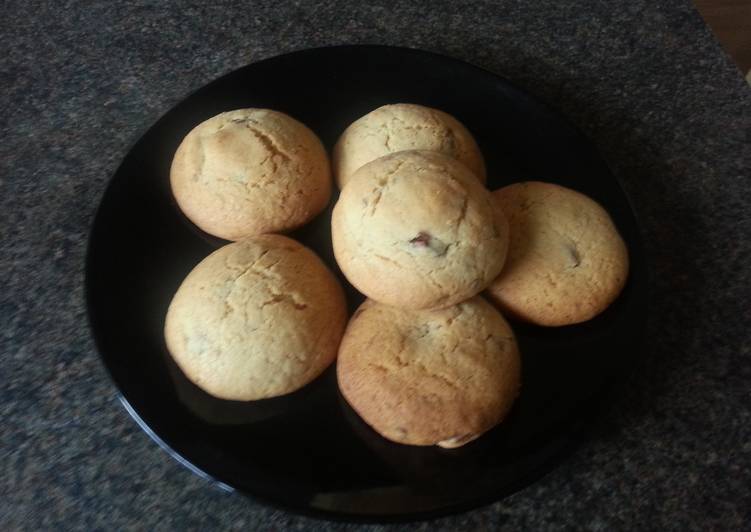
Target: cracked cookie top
417	229
402	126
566	261
429	377
250	171
257	318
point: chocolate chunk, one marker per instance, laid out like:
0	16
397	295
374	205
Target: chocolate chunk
426	240
574	253
421	240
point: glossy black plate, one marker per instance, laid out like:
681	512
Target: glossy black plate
308	451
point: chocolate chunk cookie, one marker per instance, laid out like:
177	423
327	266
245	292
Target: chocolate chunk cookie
429	377
404	126
566	262
249	172
257	318
417	229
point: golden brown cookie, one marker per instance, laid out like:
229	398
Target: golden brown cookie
404	126
566	260
257	318
416	229
429	377
249	172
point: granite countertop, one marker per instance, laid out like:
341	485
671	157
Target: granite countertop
646	80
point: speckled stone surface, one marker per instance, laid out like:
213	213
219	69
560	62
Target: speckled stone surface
646	80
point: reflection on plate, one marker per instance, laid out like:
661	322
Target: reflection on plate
215	411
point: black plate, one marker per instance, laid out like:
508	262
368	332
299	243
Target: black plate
308	452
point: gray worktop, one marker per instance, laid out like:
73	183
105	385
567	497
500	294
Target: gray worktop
645	80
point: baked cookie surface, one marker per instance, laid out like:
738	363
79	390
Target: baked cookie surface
249	172
416	229
429	377
402	126
257	318
566	261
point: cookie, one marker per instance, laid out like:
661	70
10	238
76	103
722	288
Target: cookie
257	318
249	172
404	126
416	229
566	260
429	377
